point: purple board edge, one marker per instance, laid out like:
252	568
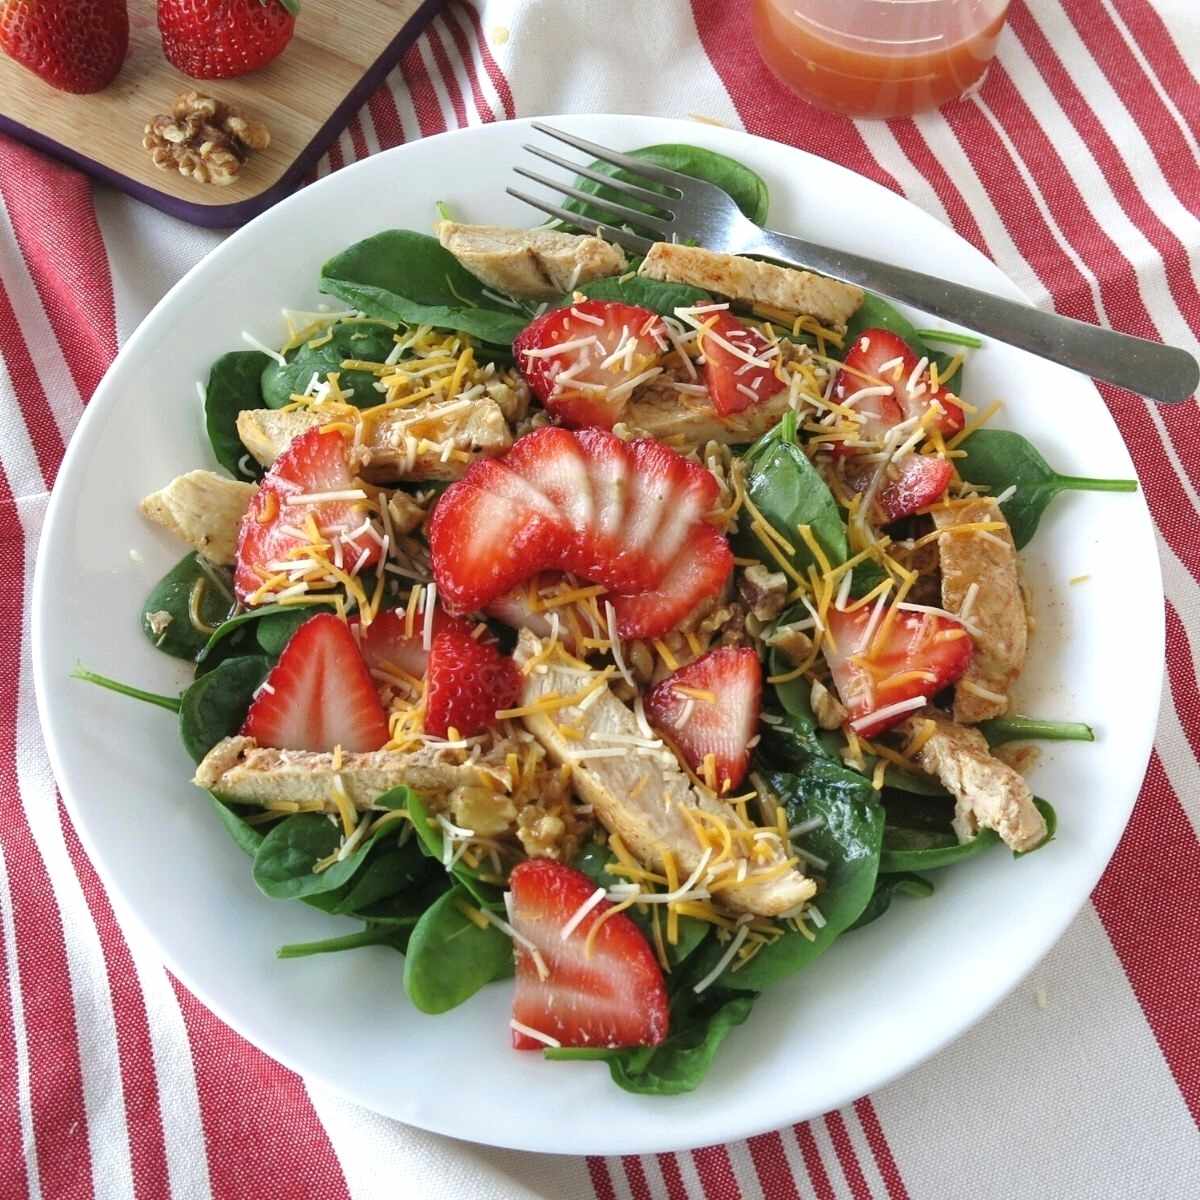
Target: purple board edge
227	216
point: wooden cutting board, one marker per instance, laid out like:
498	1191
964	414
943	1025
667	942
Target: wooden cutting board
339	54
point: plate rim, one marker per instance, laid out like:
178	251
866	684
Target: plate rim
732	1128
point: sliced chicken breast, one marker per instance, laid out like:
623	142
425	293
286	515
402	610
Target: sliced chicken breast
687	422
203	509
541	264
983	564
752	282
638	793
988	794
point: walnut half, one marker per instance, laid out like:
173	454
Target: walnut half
203	139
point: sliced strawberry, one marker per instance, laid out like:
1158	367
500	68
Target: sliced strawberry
593	333
619	514
735	383
698	571
918	480
613	997
869	682
881	358
466	682
318	695
314	464
387	645
723	726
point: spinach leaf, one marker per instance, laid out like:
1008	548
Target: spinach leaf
789	492
450	958
657	296
849	841
878	313
276	629
247	837
921	850
368	936
283	866
1001	459
1019	729
592	859
430	836
171	703
233	386
389	871
226	629
364	340
886	888
215	706
172	595
699	1024
747	189
412	279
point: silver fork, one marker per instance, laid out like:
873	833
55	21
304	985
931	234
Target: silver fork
694	209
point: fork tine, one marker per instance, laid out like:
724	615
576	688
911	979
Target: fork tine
635	166
631	215
622	237
618	185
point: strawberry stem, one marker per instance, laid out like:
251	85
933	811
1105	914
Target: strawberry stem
293	6
125	689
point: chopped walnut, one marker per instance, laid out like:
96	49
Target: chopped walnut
512	399
795	645
828	710
406	513
480	809
764	592
203	139
550	826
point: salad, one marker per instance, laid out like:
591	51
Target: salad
634	629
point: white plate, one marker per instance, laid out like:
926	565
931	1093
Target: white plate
880	1002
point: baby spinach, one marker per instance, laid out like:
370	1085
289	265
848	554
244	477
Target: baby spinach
275	630
1000	459
849	841
1020	729
748	190
172	703
388	871
886	888
450	958
429	834
215	706
789	492
410	278
368	936
172	595
653	294
234	385
247	837
699	1024
923	850
364	340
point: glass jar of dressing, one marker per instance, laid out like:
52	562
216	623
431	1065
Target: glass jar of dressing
878	58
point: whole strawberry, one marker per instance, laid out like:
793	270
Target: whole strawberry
74	45
217	39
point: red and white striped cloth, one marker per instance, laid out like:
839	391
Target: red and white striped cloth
1077	168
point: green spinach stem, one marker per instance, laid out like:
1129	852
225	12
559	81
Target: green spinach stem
349	941
1080	483
124	689
950	337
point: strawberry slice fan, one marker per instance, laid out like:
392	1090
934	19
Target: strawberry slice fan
629	516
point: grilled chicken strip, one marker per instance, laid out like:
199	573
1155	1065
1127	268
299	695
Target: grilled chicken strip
686	422
988	794
640	793
987	560
239	770
204	509
752	282
541	264
404	444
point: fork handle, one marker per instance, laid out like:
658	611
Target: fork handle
1163	373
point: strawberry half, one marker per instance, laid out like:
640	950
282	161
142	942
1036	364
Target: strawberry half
318	695
466	682
733	382
881	358
922	653
314	464
626	515
723	726
605	345
919	479
386	645
614	997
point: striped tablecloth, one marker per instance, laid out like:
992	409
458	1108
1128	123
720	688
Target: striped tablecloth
1077	168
